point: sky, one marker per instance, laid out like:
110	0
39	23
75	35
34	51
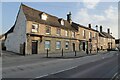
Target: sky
84	13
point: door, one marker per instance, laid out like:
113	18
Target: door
108	45
73	46
24	48
34	47
84	46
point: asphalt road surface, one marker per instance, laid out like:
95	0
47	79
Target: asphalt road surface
95	66
99	69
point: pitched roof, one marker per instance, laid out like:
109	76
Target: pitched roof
107	35
35	15
102	35
78	25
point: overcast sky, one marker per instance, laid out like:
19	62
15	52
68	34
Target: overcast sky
96	13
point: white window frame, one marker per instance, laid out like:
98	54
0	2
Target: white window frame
73	34
66	33
66	43
47	42
84	33
58	43
89	35
36	28
57	31
46	30
44	16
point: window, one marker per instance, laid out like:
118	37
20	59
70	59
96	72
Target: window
62	22
47	45
58	31
44	16
48	30
84	35
95	35
58	45
73	34
90	35
67	45
34	27
66	33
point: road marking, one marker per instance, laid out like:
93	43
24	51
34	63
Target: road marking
56	72
114	76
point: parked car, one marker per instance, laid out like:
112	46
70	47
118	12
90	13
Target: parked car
113	49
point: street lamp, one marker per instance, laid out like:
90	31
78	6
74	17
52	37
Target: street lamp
90	40
97	37
111	40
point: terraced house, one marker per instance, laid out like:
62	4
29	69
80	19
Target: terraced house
34	32
106	40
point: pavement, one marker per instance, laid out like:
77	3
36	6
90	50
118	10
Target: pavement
10	55
37	66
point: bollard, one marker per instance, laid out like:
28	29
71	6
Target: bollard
62	52
75	53
90	50
87	52
47	53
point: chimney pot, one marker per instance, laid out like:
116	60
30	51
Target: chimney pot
89	25
100	28
108	31
96	27
69	17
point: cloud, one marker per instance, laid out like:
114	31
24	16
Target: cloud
108	19
90	4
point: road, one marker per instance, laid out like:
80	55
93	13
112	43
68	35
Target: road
95	66
104	68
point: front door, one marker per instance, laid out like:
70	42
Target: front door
73	46
34	47
84	46
108	45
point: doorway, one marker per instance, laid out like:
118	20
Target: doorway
73	46
84	46
34	46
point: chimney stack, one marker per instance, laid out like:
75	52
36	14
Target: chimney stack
100	28
69	17
89	25
96	27
108	31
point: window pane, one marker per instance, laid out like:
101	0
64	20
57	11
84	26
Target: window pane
48	29
66	33
66	45
58	45
47	44
34	27
73	34
84	35
58	31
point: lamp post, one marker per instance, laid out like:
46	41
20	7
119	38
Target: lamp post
97	37
111	40
90	40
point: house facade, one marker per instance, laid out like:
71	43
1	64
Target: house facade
106	40
35	32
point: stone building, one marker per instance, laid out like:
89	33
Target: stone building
106	40
35	31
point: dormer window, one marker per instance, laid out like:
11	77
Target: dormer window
62	22
44	16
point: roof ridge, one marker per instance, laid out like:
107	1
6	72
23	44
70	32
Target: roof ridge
41	11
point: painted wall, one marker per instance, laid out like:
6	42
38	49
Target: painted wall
18	37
